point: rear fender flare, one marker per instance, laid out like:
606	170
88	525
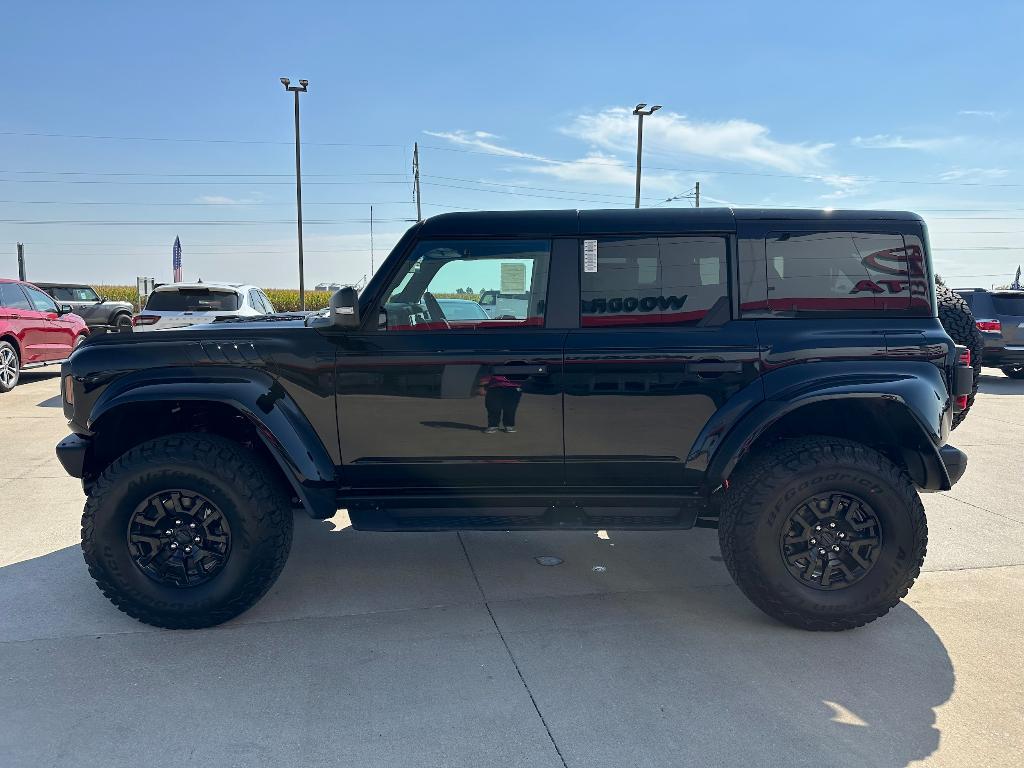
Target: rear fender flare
281	425
905	404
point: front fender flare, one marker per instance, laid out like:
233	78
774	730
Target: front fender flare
281	425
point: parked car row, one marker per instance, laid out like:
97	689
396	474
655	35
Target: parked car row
42	323
34	330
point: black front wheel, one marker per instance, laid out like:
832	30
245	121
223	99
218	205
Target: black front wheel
187	530
822	533
1014	371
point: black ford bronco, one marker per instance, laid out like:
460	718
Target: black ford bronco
780	375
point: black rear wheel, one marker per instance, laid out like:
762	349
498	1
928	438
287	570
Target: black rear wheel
187	530
822	533
1014	371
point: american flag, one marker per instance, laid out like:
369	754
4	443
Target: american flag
176	260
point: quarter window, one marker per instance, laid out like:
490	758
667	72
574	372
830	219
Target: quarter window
40	301
646	281
486	284
843	272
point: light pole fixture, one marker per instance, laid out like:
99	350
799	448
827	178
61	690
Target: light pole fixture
641	111
297	89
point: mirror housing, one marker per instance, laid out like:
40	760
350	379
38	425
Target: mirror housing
343	311
64	309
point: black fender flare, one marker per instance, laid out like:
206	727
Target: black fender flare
906	402
277	419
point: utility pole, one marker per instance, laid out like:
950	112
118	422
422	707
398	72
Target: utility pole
21	262
641	112
371	241
297	89
416	178
696	196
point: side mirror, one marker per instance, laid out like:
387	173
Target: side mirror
64	309
342	312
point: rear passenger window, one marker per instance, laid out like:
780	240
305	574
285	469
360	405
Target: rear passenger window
643	281
12	297
843	272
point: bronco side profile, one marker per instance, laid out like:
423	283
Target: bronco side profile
780	375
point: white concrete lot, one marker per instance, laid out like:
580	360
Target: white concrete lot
460	650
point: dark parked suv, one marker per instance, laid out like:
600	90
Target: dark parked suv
999	315
98	312
779	375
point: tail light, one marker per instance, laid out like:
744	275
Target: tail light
69	390
989	326
963	361
145	320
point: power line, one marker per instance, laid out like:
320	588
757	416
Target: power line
290	143
208	222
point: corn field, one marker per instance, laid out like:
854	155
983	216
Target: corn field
283	299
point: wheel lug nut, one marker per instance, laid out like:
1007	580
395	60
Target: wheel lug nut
821	551
831	525
191	525
168	532
174	545
197	539
177	522
817	527
188	549
835	547
842	535
814	541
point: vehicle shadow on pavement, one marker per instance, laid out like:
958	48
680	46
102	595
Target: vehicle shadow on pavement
997	384
387	649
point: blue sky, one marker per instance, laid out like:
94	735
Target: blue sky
524	105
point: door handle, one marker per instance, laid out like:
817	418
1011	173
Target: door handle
711	369
520	369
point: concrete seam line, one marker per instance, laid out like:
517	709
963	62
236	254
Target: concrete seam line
983	509
511	657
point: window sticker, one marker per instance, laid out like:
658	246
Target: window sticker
513	278
590	255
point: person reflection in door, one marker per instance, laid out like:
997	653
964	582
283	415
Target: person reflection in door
501	399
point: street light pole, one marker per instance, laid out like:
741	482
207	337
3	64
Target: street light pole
641	111
297	89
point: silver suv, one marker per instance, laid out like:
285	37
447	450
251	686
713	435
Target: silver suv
999	315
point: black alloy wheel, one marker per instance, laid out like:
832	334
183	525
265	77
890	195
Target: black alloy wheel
831	541
179	537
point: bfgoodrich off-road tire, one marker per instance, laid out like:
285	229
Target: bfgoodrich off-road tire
792	493
142	507
958	322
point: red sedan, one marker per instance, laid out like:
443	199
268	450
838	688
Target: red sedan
34	331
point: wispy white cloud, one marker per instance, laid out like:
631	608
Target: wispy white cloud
223	200
973	174
482	141
989	113
735	140
600	168
887	141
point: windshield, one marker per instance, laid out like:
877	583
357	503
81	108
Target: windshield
193	300
461	309
73	293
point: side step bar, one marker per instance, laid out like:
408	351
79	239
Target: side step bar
404	513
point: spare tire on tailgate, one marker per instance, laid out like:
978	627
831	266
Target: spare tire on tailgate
956	318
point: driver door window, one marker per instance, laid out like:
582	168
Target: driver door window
469	284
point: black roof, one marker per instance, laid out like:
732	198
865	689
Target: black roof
629	220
